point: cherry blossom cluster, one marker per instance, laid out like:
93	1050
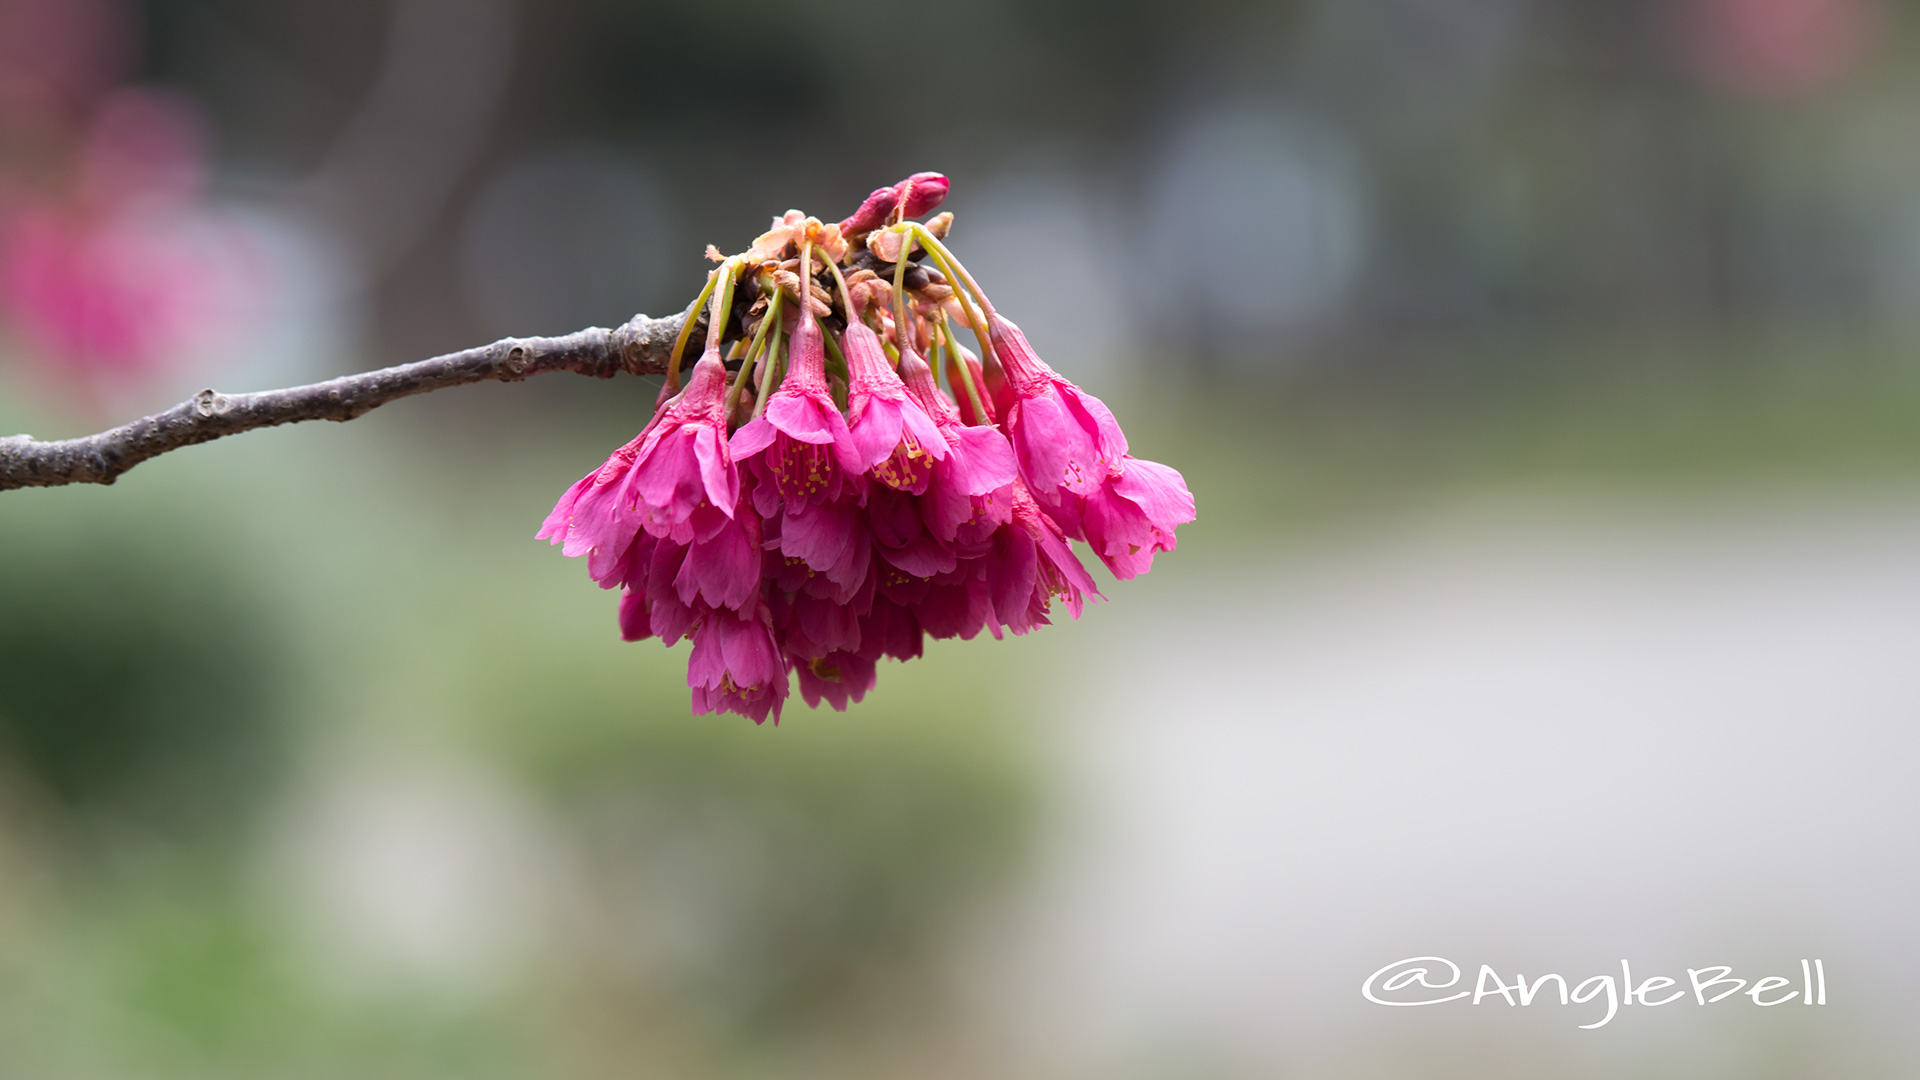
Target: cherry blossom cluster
812	499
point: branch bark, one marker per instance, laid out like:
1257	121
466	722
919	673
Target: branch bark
641	347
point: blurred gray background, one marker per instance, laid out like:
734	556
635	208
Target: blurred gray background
1547	375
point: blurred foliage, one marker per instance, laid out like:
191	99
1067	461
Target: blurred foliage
176	975
781	879
1387	431
139	680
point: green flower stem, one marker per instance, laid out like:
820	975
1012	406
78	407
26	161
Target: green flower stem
754	351
686	330
960	365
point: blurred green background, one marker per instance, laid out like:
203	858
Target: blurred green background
1547	374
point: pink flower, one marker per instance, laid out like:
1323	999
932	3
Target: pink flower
675	480
811	626
830	539
590	520
836	678
1074	458
801	445
120	273
979	462
957	604
893	437
1031	565
636	622
891	629
1065	439
722	567
1133	516
683	462
736	666
119	295
655	575
901	536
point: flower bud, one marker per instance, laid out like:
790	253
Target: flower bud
916	195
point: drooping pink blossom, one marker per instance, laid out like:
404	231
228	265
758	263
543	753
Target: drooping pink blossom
957	604
891	629
1031	565
901	536
1132	517
684	462
801	445
966	484
1064	438
736	666
829	538
837	678
811	626
636	620
893	437
1074	459
675	479
591	519
723	562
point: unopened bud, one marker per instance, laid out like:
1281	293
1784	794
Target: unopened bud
916	195
924	191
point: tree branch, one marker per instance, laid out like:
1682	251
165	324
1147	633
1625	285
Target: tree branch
641	347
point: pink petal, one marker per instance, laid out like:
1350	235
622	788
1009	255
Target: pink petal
635	622
817	534
802	418
756	436
984	460
876	432
752	658
1054	450
924	557
722	481
1159	491
924	431
557	523
1011	572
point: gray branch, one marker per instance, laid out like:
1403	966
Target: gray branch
641	347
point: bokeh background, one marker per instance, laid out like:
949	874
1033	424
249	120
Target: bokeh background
1547	373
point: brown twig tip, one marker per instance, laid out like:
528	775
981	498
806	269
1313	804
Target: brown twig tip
639	347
